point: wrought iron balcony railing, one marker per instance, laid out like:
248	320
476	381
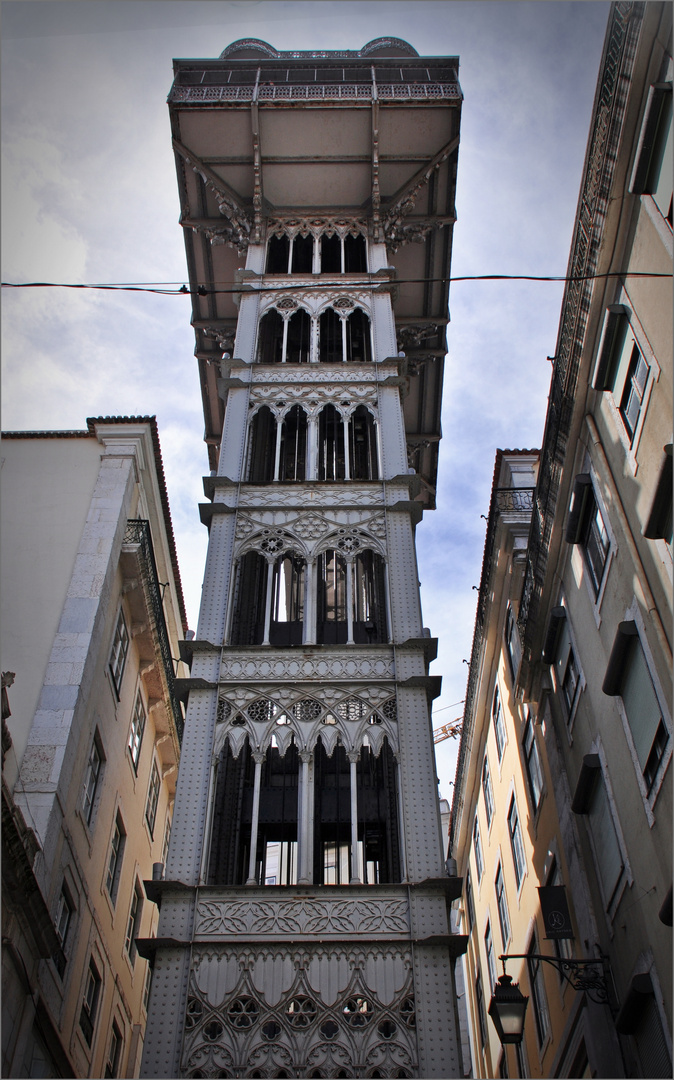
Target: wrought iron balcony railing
138	532
431	91
515	499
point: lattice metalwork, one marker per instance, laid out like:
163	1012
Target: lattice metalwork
283	1015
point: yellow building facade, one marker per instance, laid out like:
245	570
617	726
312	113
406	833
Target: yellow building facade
505	827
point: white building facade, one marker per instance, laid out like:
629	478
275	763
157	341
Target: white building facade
304	925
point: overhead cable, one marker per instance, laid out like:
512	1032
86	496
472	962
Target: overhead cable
203	290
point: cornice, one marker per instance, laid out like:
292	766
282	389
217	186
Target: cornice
600	165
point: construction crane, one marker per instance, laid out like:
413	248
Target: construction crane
448	731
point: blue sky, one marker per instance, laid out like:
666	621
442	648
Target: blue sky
89	195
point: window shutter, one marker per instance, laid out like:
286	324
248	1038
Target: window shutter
613	333
589	773
557	617
659	524
615	669
582	489
562	653
647	139
608	856
641	704
650	1040
639	1016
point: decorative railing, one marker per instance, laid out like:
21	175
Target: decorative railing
138	533
318	91
515	499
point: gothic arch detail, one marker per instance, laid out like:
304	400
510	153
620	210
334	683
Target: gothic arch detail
244	1014
340	715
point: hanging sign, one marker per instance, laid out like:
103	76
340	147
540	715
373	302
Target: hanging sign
555	909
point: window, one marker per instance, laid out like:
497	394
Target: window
287	341
280	623
287	600
147	986
302	254
608	859
487	791
628	677
363	445
91	778
369	599
520	1054
516	843
351	599
136	731
64	915
250	592
153	798
120	648
290	256
115	858
513	643
331	254
114	1051
570	682
481	1011
92	990
586	527
332	622
261	447
331	454
623	370
293	447
532	762
477	847
330	343
491	957
538	999
344	338
278	255
358	344
133	923
502	905
559	650
339	256
633	391
470	903
595	544
270	338
499	724
355	255
167	840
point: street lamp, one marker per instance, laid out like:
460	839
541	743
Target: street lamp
507	1009
508	1005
